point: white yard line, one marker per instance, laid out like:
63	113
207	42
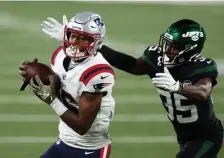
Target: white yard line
121	99
119	140
117	118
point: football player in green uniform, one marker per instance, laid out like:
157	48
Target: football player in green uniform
184	81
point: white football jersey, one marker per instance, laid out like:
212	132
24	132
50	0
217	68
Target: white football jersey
92	75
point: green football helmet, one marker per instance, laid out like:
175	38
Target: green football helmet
183	41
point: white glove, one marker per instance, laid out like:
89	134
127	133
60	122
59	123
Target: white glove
53	28
46	93
166	81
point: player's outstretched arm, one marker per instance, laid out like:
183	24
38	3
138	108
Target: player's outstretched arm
53	28
81	121
124	62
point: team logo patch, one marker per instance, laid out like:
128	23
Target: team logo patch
100	86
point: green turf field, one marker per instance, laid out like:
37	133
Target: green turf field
140	128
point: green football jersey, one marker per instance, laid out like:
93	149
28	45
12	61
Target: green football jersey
191	118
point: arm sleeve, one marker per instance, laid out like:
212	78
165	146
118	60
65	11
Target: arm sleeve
119	60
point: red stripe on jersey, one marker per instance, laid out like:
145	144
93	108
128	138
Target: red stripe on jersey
96	73
90	69
91	72
53	57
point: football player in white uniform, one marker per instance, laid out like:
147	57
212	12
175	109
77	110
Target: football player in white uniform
85	105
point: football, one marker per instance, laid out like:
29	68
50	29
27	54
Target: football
44	71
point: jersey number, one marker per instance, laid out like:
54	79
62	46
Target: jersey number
160	58
176	110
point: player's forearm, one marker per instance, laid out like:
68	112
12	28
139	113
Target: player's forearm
75	122
119	60
71	117
195	92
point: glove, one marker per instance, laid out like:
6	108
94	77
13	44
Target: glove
46	93
53	28
166	81
22	72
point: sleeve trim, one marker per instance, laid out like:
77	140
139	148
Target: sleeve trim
53	57
91	72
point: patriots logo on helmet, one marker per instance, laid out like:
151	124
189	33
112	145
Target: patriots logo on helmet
100	86
99	22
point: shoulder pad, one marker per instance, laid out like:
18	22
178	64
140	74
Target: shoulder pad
202	68
98	78
204	65
54	55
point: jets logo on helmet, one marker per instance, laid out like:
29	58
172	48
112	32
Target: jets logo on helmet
194	35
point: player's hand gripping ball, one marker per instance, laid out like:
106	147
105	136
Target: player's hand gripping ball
29	70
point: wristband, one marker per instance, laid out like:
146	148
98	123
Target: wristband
58	106
181	87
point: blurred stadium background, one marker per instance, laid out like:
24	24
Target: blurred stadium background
140	127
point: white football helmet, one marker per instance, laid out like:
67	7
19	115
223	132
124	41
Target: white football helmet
87	24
